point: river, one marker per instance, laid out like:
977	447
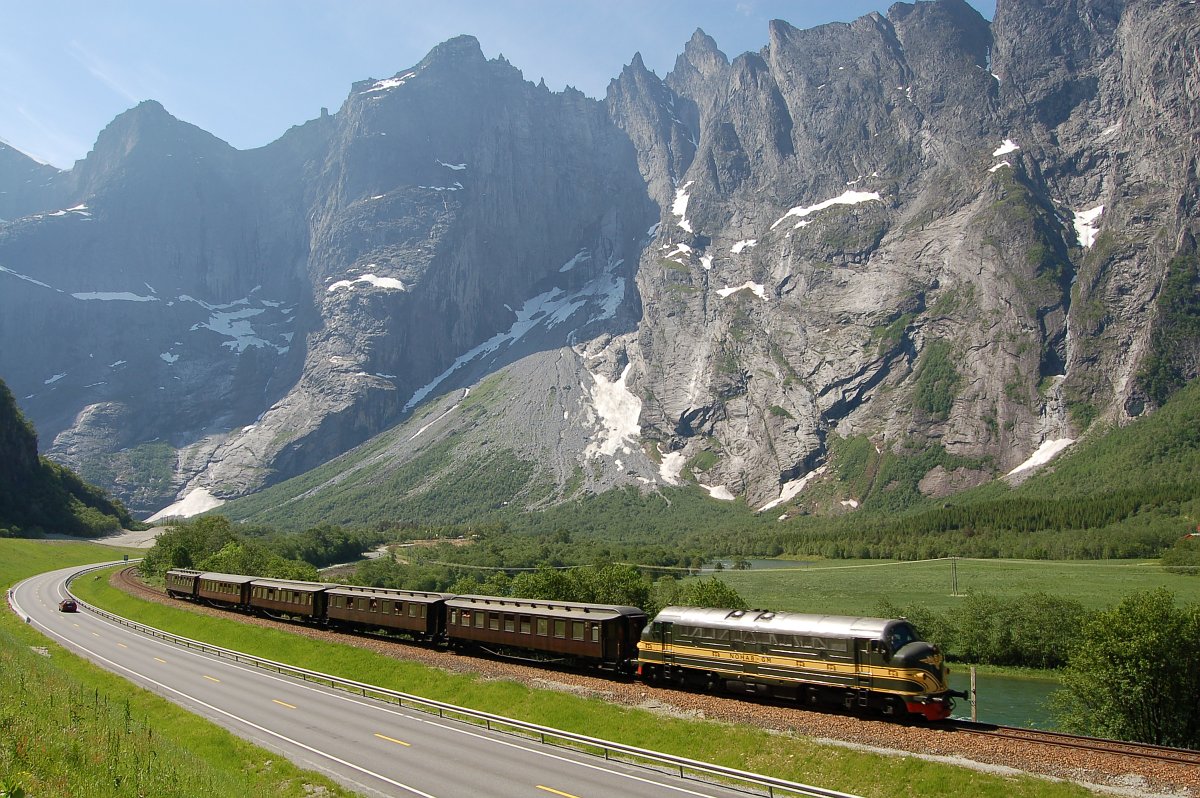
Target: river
1005	700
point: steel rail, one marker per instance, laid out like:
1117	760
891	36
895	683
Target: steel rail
611	751
1183	756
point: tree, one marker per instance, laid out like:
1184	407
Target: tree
1133	674
1183	557
711	592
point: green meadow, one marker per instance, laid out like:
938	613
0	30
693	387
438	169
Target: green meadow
857	587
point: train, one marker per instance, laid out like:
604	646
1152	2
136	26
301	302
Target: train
856	663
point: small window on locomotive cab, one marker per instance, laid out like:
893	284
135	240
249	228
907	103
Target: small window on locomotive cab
560	628
542	627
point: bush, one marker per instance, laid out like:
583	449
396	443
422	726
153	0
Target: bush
1133	674
1183	557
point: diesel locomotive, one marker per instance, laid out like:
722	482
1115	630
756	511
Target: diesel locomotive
857	663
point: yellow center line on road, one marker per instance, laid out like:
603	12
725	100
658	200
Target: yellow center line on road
393	740
163	661
557	792
213	679
283	703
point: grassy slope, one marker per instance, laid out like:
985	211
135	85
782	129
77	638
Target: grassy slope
736	746
73	730
1160	449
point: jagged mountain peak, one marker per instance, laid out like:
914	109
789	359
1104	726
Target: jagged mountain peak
459	48
864	230
701	48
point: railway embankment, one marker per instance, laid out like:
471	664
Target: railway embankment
1118	771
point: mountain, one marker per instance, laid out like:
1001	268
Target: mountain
922	230
38	495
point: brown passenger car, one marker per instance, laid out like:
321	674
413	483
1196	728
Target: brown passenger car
304	600
182	582
594	634
420	614
224	588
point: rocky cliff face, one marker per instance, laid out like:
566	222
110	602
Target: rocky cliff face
918	228
921	228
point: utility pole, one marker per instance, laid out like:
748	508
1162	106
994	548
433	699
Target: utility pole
954	575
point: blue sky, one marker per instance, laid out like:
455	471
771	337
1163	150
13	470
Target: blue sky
247	70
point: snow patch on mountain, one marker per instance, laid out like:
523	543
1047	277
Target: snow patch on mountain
790	490
718	492
114	296
758	289
679	206
1086	228
845	198
548	309
617	410
195	502
1044	454
1006	146
390	283
671	467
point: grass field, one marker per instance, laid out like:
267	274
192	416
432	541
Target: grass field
856	587
736	746
71	730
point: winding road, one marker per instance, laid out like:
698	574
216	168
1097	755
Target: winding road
370	747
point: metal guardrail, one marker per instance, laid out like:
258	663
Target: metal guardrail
617	752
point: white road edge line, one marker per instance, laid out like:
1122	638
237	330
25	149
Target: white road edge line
413	715
72	644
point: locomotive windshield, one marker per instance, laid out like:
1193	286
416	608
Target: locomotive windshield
901	634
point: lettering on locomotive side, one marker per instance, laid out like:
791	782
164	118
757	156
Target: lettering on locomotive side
745	657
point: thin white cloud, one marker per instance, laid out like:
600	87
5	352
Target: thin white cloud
108	74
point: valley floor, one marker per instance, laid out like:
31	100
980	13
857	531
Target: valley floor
1103	773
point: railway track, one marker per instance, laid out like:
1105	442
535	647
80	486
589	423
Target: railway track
1160	753
1081	760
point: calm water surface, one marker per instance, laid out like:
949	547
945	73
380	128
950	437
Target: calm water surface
1005	700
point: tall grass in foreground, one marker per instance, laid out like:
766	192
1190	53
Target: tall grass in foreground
739	746
71	730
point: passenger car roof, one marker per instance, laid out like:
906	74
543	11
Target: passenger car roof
562	609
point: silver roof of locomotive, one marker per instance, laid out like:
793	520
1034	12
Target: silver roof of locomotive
778	622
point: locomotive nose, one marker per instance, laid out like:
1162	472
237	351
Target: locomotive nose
917	654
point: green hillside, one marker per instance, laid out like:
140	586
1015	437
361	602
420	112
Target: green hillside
1125	492
39	496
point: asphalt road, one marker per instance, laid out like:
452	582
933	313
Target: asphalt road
370	747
